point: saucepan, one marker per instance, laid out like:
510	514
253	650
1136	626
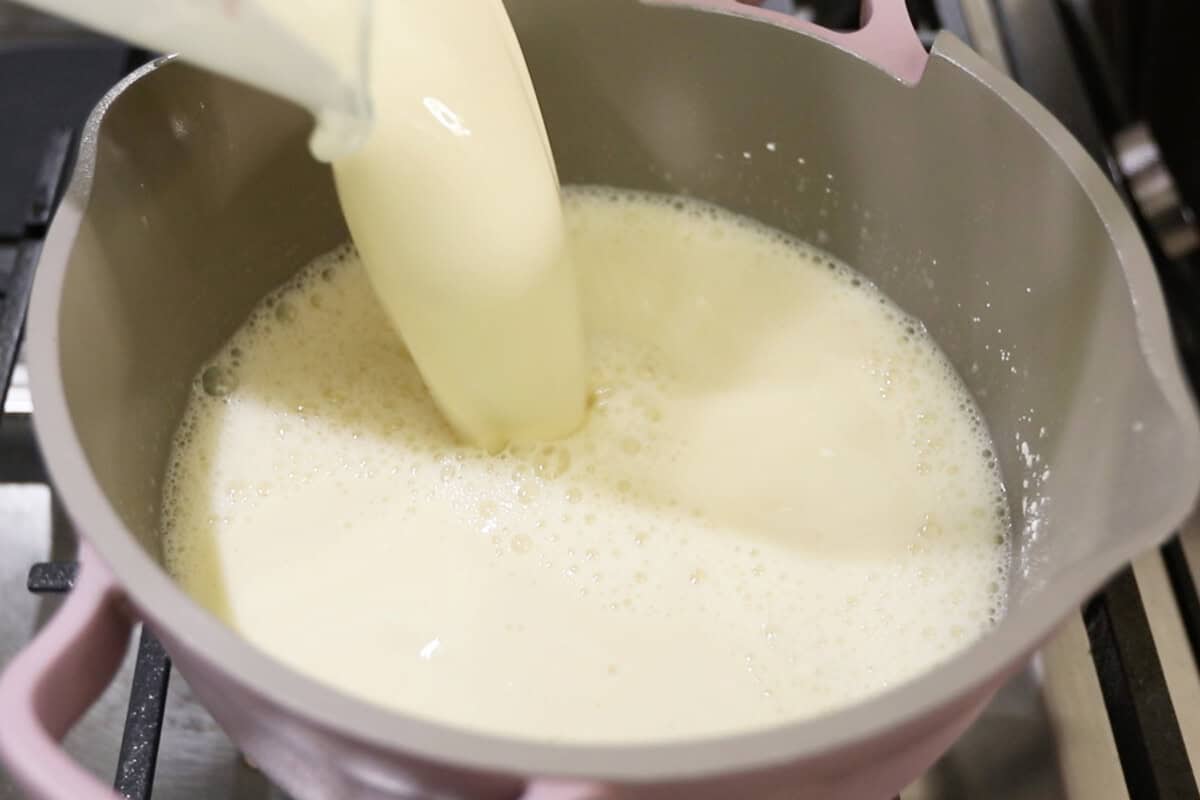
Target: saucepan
934	175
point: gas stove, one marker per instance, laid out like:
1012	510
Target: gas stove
1110	707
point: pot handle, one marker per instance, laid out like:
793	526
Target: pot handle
886	39
53	681
546	789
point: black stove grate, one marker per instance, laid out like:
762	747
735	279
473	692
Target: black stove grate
18	258
144	720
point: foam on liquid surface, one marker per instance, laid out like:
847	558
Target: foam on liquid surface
783	499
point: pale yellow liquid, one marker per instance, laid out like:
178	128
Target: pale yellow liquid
453	205
782	501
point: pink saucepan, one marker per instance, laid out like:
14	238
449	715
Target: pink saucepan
937	177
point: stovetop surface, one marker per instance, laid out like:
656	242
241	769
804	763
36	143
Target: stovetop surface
1086	720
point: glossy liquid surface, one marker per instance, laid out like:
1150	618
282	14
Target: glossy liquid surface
782	501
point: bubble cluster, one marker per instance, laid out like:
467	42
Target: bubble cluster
782	489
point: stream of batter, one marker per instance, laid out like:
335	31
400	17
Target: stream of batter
453	205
